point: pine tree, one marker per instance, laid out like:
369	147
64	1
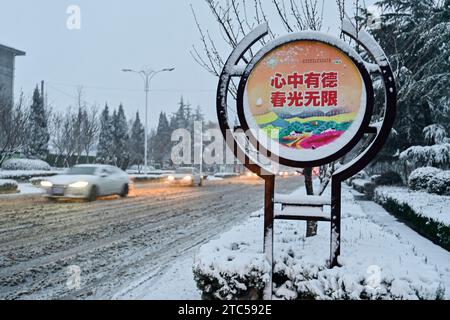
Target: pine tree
137	141
106	142
120	138
416	38
38	135
162	144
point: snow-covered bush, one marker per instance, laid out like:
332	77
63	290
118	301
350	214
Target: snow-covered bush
25	164
419	178
440	183
8	186
37	181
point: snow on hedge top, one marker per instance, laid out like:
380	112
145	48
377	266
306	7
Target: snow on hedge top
425	204
25	164
8	183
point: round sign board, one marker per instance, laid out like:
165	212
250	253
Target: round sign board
306	98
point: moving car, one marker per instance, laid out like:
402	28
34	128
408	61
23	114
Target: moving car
88	182
185	176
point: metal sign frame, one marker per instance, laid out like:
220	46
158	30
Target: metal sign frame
378	132
308	36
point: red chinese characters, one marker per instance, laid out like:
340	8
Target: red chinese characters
319	89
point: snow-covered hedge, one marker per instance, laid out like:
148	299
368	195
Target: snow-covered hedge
364	186
25	175
148	177
426	213
419	178
8	186
234	267
440	184
25	164
226	175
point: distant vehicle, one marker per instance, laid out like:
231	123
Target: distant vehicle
185	176
88	182
249	174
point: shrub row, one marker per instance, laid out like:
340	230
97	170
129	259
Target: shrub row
25	164
437	232
8	186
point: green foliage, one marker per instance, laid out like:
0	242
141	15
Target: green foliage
137	139
416	37
38	134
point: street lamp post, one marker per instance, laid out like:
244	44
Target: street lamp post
147	75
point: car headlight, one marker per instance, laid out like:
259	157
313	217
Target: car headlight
170	178
46	184
80	184
187	178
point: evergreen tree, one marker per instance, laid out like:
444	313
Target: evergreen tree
105	148
415	35
198	115
137	137
162	144
120	138
182	117
38	135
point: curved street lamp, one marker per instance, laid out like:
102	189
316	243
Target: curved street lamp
147	75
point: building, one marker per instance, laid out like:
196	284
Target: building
7	63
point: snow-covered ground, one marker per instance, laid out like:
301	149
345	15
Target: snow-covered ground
177	282
381	257
28	188
24	189
426	204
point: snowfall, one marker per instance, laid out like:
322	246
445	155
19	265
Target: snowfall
380	257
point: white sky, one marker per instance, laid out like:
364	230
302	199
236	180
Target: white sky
114	35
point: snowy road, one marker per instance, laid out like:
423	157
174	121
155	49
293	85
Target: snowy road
77	250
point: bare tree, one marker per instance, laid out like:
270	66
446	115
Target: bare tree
13	127
74	133
236	18
90	129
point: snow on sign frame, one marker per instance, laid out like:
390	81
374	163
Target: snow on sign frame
305	98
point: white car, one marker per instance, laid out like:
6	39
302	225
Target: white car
88	182
185	176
